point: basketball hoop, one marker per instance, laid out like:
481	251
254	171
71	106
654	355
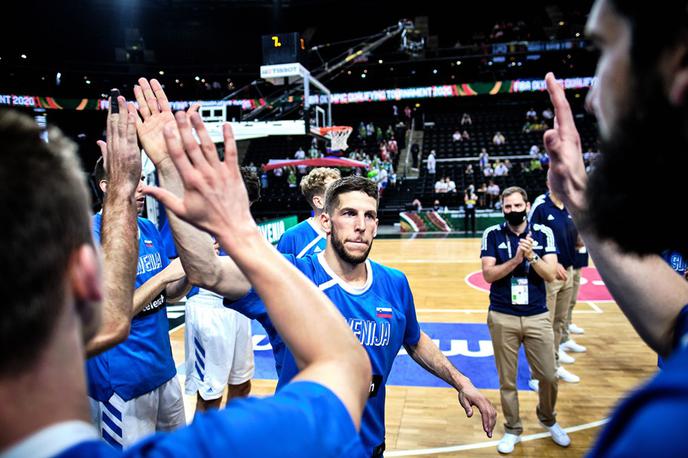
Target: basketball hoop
338	136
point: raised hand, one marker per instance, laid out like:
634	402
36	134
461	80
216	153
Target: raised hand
469	396
567	176
215	198
155	113
121	155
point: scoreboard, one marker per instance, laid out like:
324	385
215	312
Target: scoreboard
283	48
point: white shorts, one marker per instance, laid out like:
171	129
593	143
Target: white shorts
219	349
123	423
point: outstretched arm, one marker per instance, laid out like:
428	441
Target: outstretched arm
202	265
647	290
430	358
118	237
215	200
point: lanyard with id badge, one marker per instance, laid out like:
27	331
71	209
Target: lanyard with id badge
519	285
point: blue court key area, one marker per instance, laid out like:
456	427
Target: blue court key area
467	345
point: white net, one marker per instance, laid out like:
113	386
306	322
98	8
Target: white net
338	136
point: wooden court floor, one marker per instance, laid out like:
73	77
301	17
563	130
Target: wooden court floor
429	421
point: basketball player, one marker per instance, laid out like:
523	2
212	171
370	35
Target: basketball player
133	387
51	274
375	300
640	101
307	237
217	340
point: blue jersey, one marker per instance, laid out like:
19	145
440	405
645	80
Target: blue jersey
381	314
304	420
501	243
144	361
559	220
302	240
643	424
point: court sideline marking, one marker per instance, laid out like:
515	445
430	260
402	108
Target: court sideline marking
477	445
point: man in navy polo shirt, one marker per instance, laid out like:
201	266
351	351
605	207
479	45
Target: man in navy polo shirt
550	211
517	259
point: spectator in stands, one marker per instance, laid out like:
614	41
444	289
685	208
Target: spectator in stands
492	194
451	186
252	168
531	115
465	135
483	159
441	186
313	151
488	171
279	171
416	203
431	162
362	132
389	133
470	199
415	156
534	150
384	154
382	180
300	154
291	178
408	114
508	165
482	195
500	170
456	136
392	178
548	117
535	164
498	139
469	170
466	120
544	160
436	206
379	136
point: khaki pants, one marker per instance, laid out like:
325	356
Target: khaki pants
535	333
558	302
574	299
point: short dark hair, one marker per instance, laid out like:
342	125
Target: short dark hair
252	183
349	184
513	190
47	203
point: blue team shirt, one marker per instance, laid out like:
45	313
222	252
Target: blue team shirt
653	419
302	240
559	220
381	314
303	420
500	243
144	361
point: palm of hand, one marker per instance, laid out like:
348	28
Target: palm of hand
151	135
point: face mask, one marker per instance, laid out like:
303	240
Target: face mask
515	218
